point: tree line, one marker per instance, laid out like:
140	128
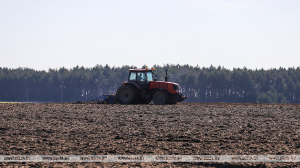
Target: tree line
200	84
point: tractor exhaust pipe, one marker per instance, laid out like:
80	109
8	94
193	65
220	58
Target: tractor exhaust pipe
166	77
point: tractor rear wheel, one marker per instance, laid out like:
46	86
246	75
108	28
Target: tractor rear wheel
160	97
126	94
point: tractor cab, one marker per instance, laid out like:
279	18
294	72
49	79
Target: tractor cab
142	77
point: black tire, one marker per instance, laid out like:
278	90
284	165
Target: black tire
110	99
126	94
160	97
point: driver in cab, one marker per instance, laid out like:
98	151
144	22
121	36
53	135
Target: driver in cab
140	78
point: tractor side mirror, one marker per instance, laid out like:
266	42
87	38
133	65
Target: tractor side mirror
155	78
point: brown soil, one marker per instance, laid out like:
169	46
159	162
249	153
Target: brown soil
182	129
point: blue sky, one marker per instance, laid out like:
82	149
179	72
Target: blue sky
52	34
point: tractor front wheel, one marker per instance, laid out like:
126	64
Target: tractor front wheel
160	97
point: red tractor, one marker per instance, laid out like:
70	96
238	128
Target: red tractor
141	88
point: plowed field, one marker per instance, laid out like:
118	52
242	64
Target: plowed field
182	129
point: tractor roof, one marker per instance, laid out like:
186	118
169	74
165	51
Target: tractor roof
141	70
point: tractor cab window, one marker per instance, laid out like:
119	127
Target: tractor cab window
149	77
141	77
132	77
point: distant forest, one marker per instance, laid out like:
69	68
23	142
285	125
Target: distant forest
206	84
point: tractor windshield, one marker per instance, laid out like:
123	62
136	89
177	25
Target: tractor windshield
149	77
